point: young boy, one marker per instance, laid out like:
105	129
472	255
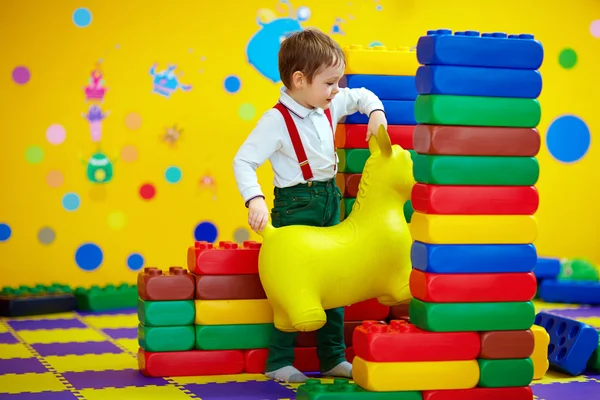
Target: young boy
297	136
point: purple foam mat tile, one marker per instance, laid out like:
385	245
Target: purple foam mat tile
116	379
263	390
30	325
567	391
63	349
64	395
121	333
8	338
583	312
21	366
122	311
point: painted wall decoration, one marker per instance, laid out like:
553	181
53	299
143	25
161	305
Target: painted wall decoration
119	135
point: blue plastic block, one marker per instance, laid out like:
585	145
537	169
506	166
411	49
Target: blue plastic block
478	81
571	292
571	342
469	48
386	87
547	268
397	112
473	258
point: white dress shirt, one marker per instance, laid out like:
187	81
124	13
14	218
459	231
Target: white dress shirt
270	140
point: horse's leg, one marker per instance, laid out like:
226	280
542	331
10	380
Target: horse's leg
399	294
306	313
281	320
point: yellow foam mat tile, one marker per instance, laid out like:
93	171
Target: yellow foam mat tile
92	362
2	327
18	383
423	375
591	321
185	380
232	312
136	393
379	60
76	335
473	229
541	306
112	321
16	350
130	344
539	357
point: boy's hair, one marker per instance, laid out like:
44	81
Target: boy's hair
308	51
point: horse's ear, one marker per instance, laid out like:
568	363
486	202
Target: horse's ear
384	142
373	145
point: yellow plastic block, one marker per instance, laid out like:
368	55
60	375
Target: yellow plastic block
408	376
540	352
16	350
232	312
78	335
379	60
473	229
35	383
135	393
92	362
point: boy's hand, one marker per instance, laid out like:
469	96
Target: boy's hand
377	118
258	214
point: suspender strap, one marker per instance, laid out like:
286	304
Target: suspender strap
296	141
328	115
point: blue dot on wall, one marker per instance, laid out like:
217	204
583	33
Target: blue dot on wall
135	261
5	232
89	256
71	201
232	84
82	17
206	232
173	174
568	138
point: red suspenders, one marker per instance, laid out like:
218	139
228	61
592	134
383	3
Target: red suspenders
297	142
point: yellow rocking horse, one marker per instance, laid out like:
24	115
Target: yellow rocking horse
305	270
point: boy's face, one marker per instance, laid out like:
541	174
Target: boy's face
324	87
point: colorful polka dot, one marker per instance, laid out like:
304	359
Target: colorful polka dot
568	138
232	84
34	154
241	235
116	220
595	28
54	179
147	191
173	174
56	134
133	121
71	201
46	235
247	111
129	153
21	75
206	231
89	256
567	58
303	13
82	17
135	261
5	232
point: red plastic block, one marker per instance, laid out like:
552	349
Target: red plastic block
226	259
309	339
368	309
352	136
229	287
476	141
501	393
400	312
176	284
191	363
506	344
403	342
348	184
305	359
475	200
472	288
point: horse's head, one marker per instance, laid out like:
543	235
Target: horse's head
389	165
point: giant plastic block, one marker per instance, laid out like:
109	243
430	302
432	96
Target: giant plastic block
478	393
506	372
309	339
475	200
547	268
514	112
478	81
175	284
166	338
305	359
571	292
348	184
367	309
397	112
40	299
460	317
571	342
379	60
228	312
166	313
225	259
229	287
473	258
493	49
470	288
401	341
473	229
416	375
313	389
190	363
352	136
540	351
476	170
507	344
233	337
386	87
346	207
108	297
352	160
594	361
476	140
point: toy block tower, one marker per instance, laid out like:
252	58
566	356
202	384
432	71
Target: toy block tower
473	226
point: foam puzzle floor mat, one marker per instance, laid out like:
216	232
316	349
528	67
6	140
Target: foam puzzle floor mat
94	356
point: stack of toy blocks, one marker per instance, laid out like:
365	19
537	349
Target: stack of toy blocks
473	226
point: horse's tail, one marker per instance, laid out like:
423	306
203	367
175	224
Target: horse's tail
269	228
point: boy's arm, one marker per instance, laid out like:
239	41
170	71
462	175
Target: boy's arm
348	101
262	142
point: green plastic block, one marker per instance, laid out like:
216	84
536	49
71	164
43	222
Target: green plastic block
166	313
166	338
457	317
233	337
578	269
347	203
477	111
314	389
505	372
476	170
352	160
594	361
109	297
408	211
24	290
413	154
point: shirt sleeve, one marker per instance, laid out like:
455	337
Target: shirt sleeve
263	141
348	101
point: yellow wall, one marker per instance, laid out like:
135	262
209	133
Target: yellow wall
207	40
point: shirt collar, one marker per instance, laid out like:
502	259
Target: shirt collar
295	107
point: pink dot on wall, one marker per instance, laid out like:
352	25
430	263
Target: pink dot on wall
21	75
595	28
56	134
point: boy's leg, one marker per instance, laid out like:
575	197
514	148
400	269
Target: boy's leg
281	357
